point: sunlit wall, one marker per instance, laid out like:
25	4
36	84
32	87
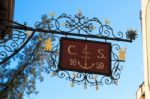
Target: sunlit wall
146	44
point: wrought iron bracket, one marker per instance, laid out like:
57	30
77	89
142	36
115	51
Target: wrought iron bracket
68	26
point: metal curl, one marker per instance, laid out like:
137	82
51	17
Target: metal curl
3	55
116	76
105	31
90	76
119	35
116	72
63	74
91	80
8	48
14	45
38	25
80	75
115	47
107	80
115	67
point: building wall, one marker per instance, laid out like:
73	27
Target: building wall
146	44
140	94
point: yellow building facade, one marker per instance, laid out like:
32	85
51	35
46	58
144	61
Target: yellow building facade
144	90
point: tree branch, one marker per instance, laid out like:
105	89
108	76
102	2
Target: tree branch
19	71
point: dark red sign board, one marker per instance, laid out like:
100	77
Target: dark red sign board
85	56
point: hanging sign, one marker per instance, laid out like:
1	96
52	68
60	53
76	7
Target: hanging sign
85	56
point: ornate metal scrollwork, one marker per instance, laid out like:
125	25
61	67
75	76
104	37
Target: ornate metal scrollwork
81	26
86	78
68	26
14	42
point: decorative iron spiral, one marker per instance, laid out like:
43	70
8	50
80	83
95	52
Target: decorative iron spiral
77	24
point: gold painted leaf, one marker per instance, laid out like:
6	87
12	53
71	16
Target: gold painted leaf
48	45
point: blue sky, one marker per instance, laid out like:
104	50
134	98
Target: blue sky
123	14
